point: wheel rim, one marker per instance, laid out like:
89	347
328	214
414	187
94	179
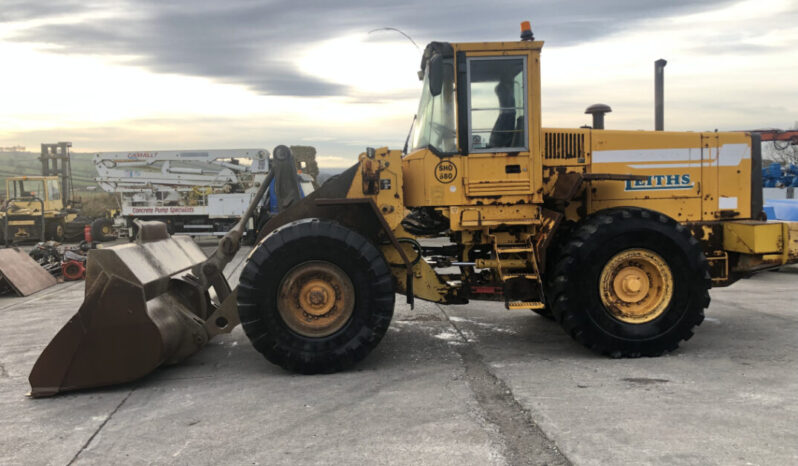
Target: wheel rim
316	299
59	231
106	230
636	286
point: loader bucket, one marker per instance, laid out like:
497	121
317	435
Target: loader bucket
142	308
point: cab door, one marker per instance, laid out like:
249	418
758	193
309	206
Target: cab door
499	126
54	200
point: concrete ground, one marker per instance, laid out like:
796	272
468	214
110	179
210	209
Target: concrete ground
463	385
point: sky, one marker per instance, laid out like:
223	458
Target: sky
200	74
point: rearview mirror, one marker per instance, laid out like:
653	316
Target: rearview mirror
435	71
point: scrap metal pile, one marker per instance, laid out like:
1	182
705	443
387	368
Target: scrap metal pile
58	260
775	176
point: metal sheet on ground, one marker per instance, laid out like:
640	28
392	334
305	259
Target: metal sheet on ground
23	274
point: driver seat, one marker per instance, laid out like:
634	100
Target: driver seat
504	128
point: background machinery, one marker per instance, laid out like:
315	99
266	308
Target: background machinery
197	192
617	235
43	207
780	177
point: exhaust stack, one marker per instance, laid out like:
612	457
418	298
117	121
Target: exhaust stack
659	94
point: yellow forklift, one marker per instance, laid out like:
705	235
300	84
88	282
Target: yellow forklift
42	208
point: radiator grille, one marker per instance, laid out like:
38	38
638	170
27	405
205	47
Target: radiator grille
562	146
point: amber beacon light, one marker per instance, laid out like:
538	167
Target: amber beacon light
526	31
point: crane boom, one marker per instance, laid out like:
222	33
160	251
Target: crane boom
177	170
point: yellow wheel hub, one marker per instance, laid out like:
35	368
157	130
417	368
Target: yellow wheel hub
636	286
316	299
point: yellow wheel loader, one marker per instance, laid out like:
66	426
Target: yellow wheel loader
617	235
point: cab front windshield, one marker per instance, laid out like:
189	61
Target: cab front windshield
26	188
434	124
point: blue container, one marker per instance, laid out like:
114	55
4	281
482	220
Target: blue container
772	171
770	212
783	209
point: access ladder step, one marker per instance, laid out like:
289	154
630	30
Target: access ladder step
512	250
528	276
513	305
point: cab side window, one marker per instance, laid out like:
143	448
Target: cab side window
497	104
55	193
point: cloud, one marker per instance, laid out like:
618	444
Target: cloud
23	10
253	42
737	48
197	63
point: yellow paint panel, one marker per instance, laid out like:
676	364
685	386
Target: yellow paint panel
751	237
714	167
494	215
424	185
498	174
681	210
388	165
421	185
427	284
672	160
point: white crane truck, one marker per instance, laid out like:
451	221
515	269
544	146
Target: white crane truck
194	192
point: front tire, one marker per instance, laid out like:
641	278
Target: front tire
54	230
630	282
315	297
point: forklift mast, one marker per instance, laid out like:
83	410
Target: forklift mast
56	161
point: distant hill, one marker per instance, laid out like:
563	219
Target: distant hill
326	173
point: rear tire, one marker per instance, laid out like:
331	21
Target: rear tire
73	231
630	282
552	254
102	229
289	261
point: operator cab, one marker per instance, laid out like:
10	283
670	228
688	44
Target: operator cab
29	191
477	129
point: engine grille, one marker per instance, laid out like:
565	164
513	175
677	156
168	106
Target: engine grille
562	145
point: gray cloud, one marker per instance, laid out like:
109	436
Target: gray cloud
250	42
736	47
20	10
